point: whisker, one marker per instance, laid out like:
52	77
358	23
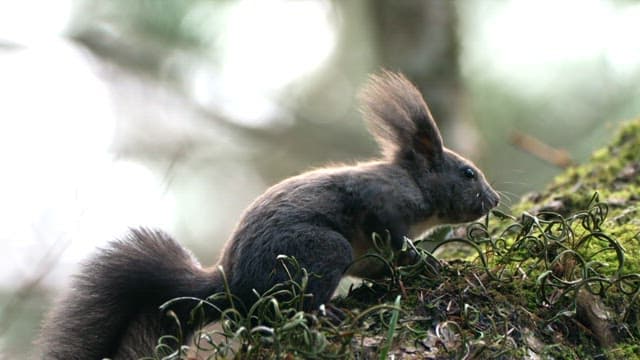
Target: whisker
506	198
515	183
505	194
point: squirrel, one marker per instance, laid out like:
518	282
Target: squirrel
324	218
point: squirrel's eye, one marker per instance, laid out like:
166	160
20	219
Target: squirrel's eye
468	172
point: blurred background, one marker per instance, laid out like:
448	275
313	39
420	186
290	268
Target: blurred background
177	113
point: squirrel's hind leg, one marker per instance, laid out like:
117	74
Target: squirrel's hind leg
326	255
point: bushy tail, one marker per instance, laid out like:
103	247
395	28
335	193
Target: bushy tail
113	302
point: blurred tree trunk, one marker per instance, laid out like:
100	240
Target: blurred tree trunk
415	37
418	38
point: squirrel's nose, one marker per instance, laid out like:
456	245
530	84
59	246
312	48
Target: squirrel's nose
493	197
496	199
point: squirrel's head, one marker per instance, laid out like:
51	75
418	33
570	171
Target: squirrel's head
456	187
400	121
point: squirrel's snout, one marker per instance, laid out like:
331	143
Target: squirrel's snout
493	198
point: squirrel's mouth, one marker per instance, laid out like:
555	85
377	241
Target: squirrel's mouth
480	208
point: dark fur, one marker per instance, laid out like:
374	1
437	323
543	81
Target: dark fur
120	289
324	218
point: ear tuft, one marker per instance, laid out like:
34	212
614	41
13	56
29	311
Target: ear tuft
398	117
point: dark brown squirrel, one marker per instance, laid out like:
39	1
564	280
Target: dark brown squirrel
324	218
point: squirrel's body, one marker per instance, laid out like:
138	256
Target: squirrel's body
356	201
323	218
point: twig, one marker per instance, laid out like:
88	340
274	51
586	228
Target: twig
558	157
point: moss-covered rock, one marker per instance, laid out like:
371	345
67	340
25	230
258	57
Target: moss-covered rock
614	174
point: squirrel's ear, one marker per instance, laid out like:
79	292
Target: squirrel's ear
398	117
428	140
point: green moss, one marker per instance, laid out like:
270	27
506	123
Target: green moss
614	173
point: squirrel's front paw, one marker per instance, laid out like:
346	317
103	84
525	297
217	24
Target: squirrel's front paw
408	257
332	313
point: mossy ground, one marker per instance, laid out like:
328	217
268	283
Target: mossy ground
614	173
